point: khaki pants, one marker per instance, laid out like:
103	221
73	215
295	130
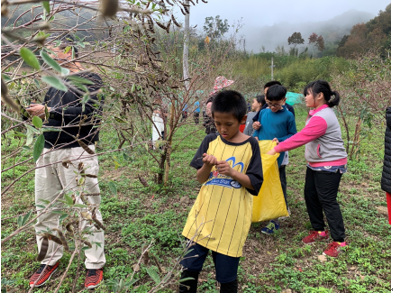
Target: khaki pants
49	182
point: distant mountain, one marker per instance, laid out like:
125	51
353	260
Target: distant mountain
332	30
373	35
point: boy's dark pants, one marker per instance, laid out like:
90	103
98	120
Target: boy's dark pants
320	193
283	179
196	117
226	270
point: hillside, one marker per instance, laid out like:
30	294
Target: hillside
332	30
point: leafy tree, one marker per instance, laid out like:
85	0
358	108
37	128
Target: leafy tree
317	41
215	27
363	37
295	39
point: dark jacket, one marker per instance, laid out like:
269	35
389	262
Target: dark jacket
385	181
67	109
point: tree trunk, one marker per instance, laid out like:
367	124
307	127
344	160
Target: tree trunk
165	158
185	47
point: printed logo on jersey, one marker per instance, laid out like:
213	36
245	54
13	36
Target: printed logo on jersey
221	180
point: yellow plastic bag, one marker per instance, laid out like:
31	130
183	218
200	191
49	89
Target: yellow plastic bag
270	202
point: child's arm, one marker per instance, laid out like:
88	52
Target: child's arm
314	129
204	172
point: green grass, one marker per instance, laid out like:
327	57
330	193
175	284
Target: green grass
138	214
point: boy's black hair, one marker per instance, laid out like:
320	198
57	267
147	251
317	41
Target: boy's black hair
322	86
230	101
271	83
261	99
276	93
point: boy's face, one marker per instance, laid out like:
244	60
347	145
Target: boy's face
255	105
275	105
227	124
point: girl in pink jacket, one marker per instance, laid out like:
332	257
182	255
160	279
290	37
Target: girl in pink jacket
327	161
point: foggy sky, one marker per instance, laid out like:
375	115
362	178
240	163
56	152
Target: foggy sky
259	13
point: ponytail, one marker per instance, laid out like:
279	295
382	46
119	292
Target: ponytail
335	101
322	86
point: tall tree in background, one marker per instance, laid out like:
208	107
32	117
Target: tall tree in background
295	39
317	41
215	28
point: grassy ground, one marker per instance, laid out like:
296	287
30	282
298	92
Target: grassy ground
277	263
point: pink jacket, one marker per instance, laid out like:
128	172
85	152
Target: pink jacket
322	137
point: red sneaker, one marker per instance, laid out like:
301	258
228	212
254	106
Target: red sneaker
334	249
316	236
43	277
94	278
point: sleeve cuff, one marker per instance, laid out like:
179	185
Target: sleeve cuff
278	149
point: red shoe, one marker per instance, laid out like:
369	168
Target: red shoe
334	249
42	279
316	236
94	278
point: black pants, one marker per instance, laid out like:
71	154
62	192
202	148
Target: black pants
226	269
196	117
320	193
283	179
184	115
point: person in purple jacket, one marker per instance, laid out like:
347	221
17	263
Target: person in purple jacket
327	161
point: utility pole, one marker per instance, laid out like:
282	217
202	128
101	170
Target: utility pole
272	66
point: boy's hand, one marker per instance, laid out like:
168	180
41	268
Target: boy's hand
224	168
37	110
275	140
256	125
271	152
209	160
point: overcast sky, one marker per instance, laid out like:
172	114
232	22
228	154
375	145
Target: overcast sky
259	13
262	12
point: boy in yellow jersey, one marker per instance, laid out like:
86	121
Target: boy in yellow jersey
230	171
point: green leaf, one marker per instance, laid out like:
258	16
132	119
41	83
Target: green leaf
6	77
29	57
85	99
153	274
67	49
62	217
44	201
75	78
50	129
186	279
38	147
51	62
37	122
54	82
68	200
80	206
46	6
32	129
20	218
57	212
19	134
26	218
112	187
65	71
81	181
